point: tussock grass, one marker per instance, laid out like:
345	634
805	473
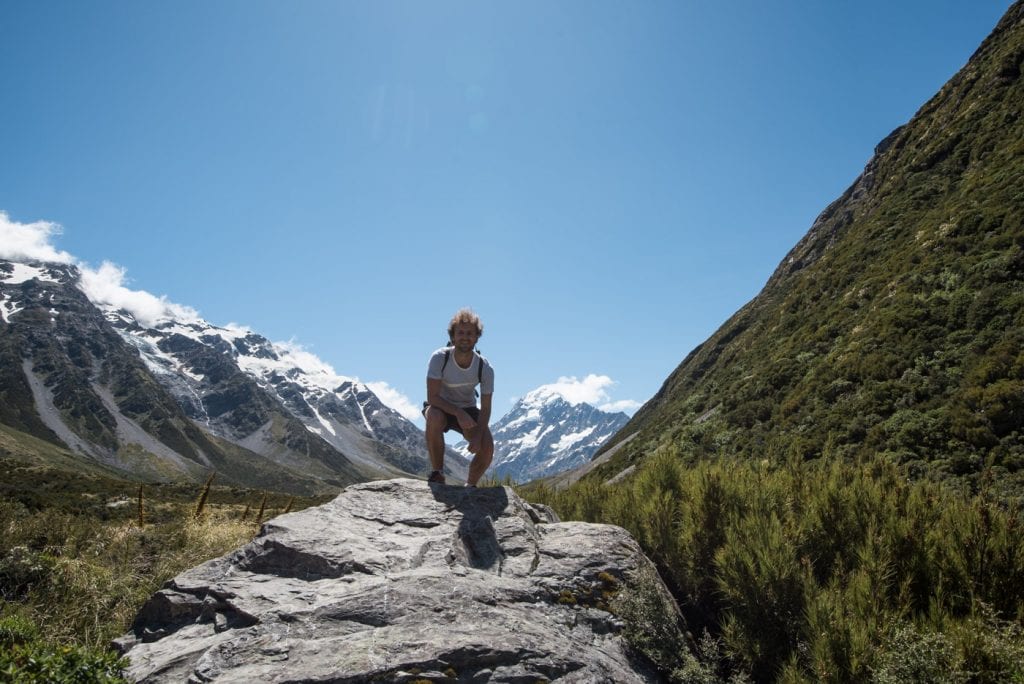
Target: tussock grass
85	580
75	568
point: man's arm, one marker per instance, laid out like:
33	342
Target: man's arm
434	399
485	409
485	419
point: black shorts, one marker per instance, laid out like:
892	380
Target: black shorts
453	422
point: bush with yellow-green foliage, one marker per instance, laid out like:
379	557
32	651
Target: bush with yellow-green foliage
824	570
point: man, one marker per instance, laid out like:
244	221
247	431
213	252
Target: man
452	376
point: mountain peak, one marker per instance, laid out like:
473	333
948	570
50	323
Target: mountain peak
544	395
547	432
107	373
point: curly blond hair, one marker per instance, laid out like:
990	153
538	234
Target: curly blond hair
465	316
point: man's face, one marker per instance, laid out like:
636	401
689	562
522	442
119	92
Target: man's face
464	337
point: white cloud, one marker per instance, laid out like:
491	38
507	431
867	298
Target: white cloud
30	241
624	405
296	355
590	390
396	400
593	390
233	331
22	242
106	286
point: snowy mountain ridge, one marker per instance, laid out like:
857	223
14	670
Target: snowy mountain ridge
117	376
545	433
260	395
342	411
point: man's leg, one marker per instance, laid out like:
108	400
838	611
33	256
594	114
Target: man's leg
482	460
436	421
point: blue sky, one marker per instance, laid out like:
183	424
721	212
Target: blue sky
605	183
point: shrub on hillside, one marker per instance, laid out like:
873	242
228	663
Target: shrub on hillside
798	568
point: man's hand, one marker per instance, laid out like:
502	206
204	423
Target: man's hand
475	438
469	430
466	422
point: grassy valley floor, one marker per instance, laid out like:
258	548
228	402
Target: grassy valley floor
79	555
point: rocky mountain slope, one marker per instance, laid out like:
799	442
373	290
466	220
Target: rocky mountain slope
226	379
402	581
896	324
544	434
99	390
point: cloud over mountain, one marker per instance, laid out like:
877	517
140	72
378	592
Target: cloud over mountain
592	389
396	400
624	405
30	241
107	285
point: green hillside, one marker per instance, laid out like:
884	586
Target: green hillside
896	325
832	485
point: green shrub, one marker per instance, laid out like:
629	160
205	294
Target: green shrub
992	649
21	569
37	662
796	569
654	628
15	629
912	656
763	584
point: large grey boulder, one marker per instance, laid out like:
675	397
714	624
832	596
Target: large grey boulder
398	581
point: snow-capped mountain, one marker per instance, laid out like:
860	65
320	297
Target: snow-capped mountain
207	368
545	434
175	397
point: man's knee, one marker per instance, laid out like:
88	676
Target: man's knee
487	444
436	419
